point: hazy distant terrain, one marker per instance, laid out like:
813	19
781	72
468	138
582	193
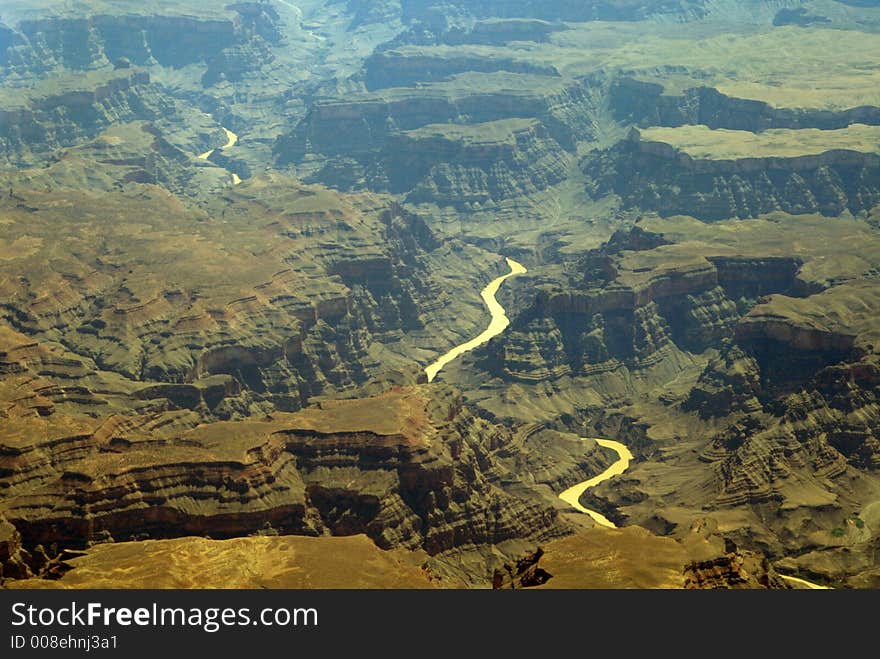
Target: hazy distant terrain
233	235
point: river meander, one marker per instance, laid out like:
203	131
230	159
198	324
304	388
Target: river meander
231	140
498	323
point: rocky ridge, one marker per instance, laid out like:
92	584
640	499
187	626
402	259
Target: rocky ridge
654	176
364	125
646	103
412	468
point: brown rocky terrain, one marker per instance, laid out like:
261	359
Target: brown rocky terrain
762	368
598	558
333	127
411	468
659	177
524	159
113	304
46	119
232	236
632	557
645	103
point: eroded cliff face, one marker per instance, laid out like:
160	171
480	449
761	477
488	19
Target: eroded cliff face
194	55
656	177
412	468
44	122
430	165
392	68
491	144
730	383
817	386
129	397
493	32
334	126
633	318
702	559
265	561
173	38
15	561
764	376
733	570
284	333
166	329
645	104
629	10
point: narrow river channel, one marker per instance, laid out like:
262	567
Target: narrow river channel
231	140
498	323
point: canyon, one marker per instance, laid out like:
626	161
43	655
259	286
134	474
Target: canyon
362	289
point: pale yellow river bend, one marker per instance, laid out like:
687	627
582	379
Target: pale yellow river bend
231	139
572	495
804	582
497	325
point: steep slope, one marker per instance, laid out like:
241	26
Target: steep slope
716	174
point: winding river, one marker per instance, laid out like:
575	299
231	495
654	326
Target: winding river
572	495
497	325
499	322
231	139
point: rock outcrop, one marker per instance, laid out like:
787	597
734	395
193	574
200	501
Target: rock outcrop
167	39
794	338
733	570
411	469
654	176
491	32
730	383
454	165
13	558
400	68
361	125
635	316
265	561
645	104
818	392
764	371
603	10
39	122
640	560
171	37
283	334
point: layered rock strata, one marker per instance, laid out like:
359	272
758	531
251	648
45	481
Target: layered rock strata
655	176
